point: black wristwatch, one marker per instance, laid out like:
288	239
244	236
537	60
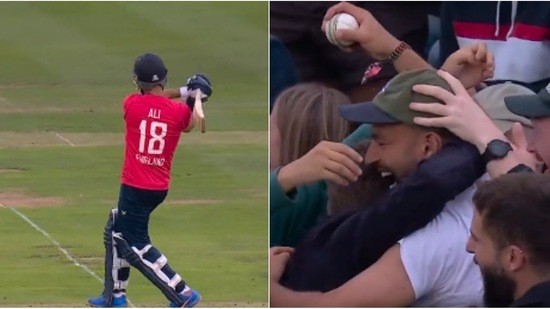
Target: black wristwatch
496	150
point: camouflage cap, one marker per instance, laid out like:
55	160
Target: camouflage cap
391	105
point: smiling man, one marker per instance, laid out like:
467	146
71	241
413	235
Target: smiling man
509	240
429	267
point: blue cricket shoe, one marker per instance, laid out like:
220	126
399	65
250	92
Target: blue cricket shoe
99	302
190	299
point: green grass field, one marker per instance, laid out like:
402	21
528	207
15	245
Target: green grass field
64	70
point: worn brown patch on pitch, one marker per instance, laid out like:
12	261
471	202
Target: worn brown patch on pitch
90	259
228	304
17	199
7	105
225	304
28	85
35	139
177	202
253	193
185	202
194	138
12	108
11	170
49	138
232	304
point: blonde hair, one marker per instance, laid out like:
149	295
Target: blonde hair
306	115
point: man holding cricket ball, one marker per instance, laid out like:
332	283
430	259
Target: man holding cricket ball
154	123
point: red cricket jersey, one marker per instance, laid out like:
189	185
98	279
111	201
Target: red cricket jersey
153	129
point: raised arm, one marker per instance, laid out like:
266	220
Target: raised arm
470	64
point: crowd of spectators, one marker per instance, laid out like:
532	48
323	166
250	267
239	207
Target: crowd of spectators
426	185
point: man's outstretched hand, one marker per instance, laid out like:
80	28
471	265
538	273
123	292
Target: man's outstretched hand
370	36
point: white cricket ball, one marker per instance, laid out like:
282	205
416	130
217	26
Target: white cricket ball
338	22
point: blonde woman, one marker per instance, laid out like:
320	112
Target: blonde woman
303	116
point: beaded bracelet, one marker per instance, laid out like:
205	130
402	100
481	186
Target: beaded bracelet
398	51
375	68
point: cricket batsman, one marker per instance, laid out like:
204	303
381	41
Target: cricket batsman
154	123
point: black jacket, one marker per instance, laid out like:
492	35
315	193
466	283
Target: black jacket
537	296
346	244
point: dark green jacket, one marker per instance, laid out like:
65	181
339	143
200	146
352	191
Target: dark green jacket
291	217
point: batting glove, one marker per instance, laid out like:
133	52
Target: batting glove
199	81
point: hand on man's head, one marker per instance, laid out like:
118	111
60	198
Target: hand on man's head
460	113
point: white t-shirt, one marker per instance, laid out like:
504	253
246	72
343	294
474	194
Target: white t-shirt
441	272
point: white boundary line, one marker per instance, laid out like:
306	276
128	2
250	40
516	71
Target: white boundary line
64	139
59	247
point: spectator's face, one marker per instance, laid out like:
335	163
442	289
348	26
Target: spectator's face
398	148
539	143
499	286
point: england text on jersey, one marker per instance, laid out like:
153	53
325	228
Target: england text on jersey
153	128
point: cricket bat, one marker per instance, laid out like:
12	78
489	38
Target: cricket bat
199	111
